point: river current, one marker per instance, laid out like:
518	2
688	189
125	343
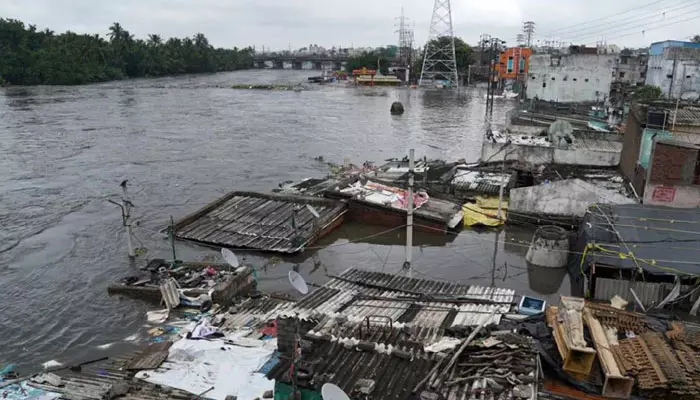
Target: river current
182	142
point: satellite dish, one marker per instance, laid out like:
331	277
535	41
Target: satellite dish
313	211
298	282
330	391
230	258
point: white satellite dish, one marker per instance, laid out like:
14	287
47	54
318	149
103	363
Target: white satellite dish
313	211
298	282
330	391
230	258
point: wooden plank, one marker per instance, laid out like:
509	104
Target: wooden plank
615	385
151	358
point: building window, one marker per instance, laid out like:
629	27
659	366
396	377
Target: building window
553	78
532	77
510	64
622	74
669	76
574	79
566	78
585	80
522	64
544	84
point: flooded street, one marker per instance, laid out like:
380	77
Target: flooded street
182	142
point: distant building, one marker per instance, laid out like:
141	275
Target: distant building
657	48
569	78
660	154
630	67
674	67
513	63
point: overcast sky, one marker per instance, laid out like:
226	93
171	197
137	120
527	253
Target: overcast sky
278	24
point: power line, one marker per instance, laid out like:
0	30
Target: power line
604	18
630	20
652	28
635	29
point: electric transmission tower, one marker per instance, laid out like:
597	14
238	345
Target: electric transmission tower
529	32
439	61
405	42
520	39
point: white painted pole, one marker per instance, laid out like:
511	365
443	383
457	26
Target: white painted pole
500	191
127	220
409	218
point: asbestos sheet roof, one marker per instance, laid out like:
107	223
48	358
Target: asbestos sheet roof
361	295
663	240
260	221
688	116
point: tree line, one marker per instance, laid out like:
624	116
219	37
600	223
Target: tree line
32	57
382	58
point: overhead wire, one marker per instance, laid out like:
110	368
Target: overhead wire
644	29
636	8
636	19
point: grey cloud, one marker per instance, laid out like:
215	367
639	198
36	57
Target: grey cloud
277	23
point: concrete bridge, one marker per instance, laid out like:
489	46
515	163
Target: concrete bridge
295	61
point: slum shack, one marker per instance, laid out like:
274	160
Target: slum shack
379	204
386	336
271	222
194	278
647	255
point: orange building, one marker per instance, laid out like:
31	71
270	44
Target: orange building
513	62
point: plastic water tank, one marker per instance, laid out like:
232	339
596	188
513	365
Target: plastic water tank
549	247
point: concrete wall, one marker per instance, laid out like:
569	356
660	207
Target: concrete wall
547	155
675	77
630	69
672	195
632	140
570	197
570	78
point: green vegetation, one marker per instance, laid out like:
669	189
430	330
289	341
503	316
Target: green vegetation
371	60
695	39
648	93
31	57
463	55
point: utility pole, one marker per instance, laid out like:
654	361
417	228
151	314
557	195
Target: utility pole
494	51
126	217
409	217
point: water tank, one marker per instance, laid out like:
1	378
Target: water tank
549	247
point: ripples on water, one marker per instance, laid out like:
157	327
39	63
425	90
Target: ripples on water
182	142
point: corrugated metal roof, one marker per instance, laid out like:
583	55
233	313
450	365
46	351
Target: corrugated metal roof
649	232
260	221
254	313
687	116
649	293
107	379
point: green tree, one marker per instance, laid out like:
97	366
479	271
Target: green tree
379	59
695	39
463	57
31	57
647	93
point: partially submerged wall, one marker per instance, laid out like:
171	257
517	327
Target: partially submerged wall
549	155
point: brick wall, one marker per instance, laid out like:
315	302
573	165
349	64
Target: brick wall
673	165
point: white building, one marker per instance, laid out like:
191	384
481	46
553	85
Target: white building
676	71
570	78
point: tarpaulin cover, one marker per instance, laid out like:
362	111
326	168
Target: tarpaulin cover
484	212
198	365
660	240
22	391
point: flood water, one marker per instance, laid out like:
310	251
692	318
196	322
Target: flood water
182	142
